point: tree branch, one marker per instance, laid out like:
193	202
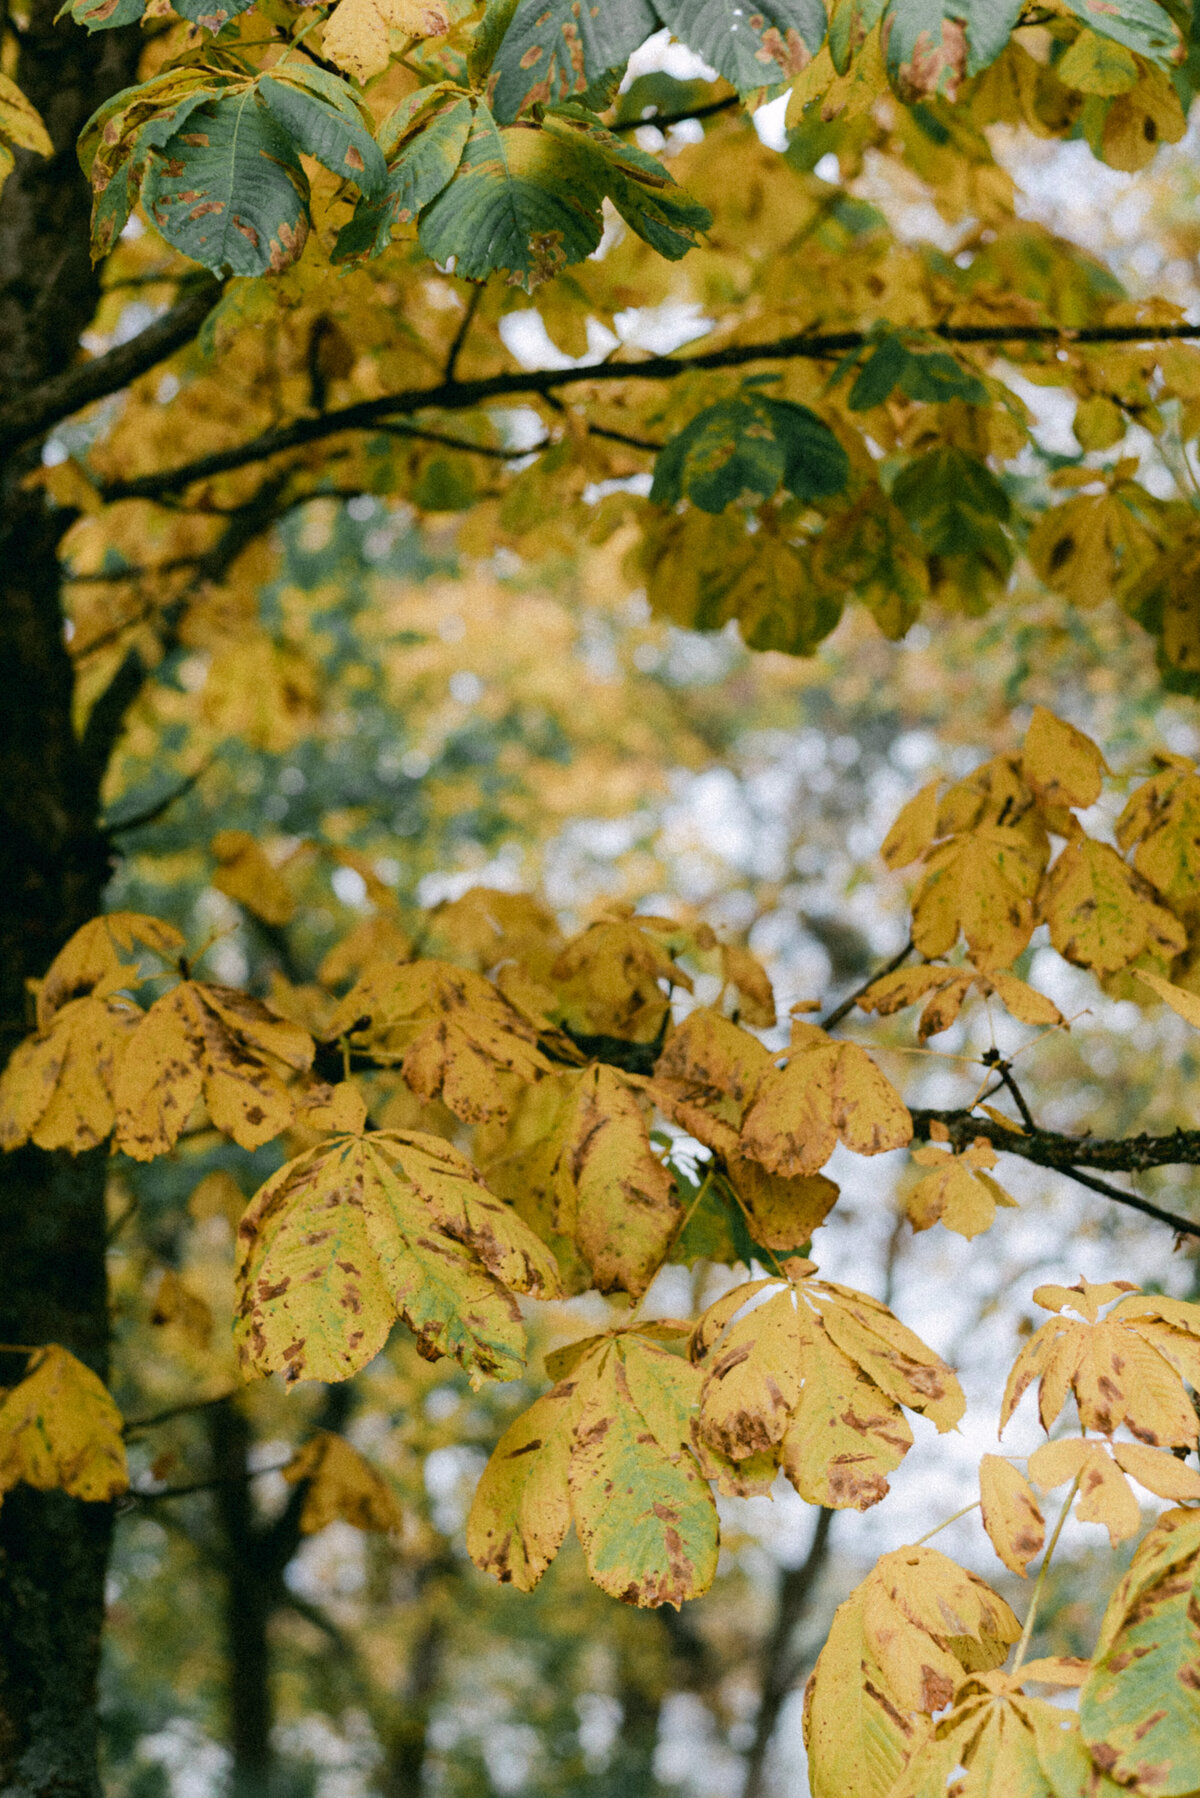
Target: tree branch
851	1000
1069	1154
460	396
34	412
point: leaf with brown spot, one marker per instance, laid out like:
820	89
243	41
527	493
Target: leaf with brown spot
616	1199
1101	913
58	1089
60	1428
1104	1495
780	1213
1162	817
914	828
981	882
959	1193
857	1737
365	1229
522	1506
212	1041
341	1486
102	957
451	1032
1062	765
1011	1514
610	978
828	1092
706	1077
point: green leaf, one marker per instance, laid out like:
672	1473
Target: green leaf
956	506
521	201
211	14
103	15
933	44
752	47
555	49
750	447
638	185
424	165
929	375
321	116
850	22
115	145
1138	24
658	94
1139	1710
229	191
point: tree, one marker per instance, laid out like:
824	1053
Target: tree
327	175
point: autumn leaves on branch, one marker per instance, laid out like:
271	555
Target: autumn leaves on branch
511	1114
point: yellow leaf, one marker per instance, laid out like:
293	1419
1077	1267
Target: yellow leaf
20	122
1025	1003
363	1229
449	1029
1011	1515
1159	1472
752	984
341	1486
828	1092
616	1199
1138	121
1101	914
487	927
1060	763
522	1506
981	881
1104	1495
608	979
102	957
218	1195
1186	1004
857	1738
781	1213
959	1193
706	1076
175	1303
1162	817
58	1089
212	1041
357	38
60	1428
960	1624
245	874
914	829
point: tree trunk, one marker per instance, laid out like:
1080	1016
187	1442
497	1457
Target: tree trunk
780	1668
53	867
249	1584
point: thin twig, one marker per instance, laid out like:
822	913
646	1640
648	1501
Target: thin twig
460	336
134	1425
1027	1632
847	1005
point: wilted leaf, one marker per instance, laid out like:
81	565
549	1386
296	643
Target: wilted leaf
60	1428
857	1739
706	1076
58	1087
616	1199
1162	817
553	50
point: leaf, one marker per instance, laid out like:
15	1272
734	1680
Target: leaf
552	50
324	119
60	1428
213	1041
924	374
609	981
422	166
751	985
857	1739
953	502
1125	1368
829	1092
1101	913
982	882
244	873
356	37
1104	1495
1011	1514
706	1077
175	1303
639	186
1185	1004
449	1029
868	551
1162	817
1006	1742
101	957
925	1618
1060	763
20	121
1139	1711
1141	25
1098	65
780	1214
609	1448
522	202
752	49
229	191
744	449
616	1198
58	1089
341	1486
914	828
365	1229
522	1506
959	1193
644	1513
816	1373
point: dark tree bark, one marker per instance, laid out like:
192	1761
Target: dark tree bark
53	868
780	1668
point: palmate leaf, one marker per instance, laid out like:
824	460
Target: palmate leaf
608	1449
553	50
60	1428
373	1226
829	1092
425	149
322	117
931	46
104	15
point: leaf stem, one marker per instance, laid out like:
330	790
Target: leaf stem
1027	1632
946	1522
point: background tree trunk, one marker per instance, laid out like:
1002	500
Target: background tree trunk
54	865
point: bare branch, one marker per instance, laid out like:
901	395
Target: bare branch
851	1000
